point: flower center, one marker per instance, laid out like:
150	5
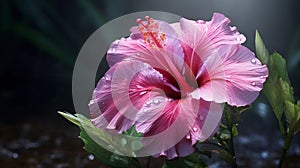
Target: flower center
150	31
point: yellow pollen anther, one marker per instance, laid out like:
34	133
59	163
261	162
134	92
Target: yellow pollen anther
151	33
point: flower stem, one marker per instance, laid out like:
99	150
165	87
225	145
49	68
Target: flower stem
230	123
232	150
285	148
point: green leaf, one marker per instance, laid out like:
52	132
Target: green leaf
234	130
102	154
292	113
277	67
261	50
225	134
287	91
70	117
92	136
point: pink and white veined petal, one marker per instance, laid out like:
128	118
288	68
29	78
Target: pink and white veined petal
200	39
168	57
121	93
180	125
216	32
234	76
219	31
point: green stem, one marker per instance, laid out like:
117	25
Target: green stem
229	124
232	150
287	143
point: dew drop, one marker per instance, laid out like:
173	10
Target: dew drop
201	117
262	77
253	83
107	78
155	101
238	38
201	21
233	28
145	110
188	137
253	61
117	42
195	129
139	86
113	49
138	54
143	92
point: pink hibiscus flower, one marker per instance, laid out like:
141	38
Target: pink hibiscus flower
170	80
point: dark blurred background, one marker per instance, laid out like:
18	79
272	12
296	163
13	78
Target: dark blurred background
40	41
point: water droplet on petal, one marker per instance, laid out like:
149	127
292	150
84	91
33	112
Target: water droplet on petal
143	92
262	77
117	42
139	86
113	49
200	21
147	104
201	117
253	61
253	83
188	137
155	101
233	28
107	78
238	38
195	129
138	54
145	110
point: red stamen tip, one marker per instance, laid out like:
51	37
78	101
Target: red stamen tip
139	20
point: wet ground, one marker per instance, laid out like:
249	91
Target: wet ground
54	143
38	144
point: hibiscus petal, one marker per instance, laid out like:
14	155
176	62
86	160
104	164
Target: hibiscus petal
123	91
200	39
234	76
180	125
219	31
135	48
